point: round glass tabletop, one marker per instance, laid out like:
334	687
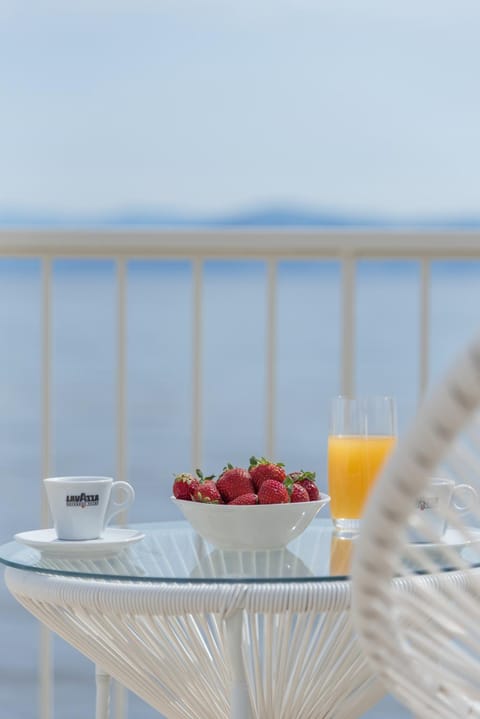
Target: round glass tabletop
173	552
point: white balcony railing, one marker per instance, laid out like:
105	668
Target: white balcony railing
270	247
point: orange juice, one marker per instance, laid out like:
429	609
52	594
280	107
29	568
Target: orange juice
340	555
353	464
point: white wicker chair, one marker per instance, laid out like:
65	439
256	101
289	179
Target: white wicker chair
425	644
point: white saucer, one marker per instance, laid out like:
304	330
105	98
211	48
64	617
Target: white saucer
451	538
113	541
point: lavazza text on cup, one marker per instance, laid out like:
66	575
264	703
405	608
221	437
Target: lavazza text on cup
82	507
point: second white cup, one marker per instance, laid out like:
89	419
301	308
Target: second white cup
82	507
440	495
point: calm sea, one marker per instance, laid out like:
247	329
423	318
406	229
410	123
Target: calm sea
159	371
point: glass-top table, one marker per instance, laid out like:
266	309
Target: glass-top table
260	635
173	552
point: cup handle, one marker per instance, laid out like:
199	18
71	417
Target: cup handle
469	495
116	503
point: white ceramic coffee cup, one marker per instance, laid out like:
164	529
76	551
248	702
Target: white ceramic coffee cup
440	496
82	507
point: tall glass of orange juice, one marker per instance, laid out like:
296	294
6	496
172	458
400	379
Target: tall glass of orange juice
362	435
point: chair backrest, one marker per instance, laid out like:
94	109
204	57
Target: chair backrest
415	586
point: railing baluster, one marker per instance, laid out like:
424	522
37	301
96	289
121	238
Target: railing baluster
270	357
424	328
121	399
121	700
347	380
197	369
45	668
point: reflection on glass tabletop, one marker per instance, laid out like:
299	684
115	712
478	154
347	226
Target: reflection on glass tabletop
173	552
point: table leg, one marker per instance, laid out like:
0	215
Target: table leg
240	707
102	679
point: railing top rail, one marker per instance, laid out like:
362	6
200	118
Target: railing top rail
231	243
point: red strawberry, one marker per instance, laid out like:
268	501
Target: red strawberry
207	492
184	485
311	488
295	490
249	498
298	493
307	480
262	469
273	492
233	482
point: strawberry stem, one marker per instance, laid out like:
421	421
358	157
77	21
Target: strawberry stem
202	478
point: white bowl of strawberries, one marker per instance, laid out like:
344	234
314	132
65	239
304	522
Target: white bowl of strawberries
261	507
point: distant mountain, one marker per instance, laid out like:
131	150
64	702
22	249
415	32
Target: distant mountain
275	216
294	217
261	217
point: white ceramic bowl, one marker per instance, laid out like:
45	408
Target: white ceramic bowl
261	526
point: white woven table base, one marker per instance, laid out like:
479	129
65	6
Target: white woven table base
271	651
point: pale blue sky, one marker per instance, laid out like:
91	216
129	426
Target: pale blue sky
203	106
